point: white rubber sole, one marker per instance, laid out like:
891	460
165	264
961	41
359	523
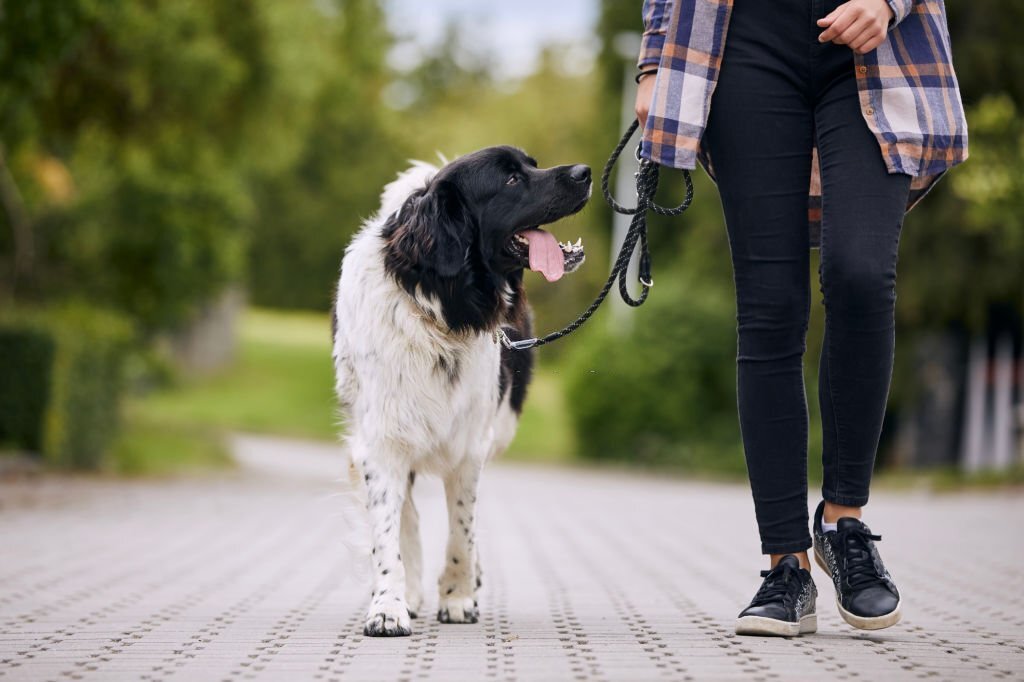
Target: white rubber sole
861	622
758	625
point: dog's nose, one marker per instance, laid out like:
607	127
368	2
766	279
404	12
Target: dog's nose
580	173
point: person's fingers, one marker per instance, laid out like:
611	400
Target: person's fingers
836	27
641	116
860	40
870	44
869	33
641	108
644	94
829	18
847	37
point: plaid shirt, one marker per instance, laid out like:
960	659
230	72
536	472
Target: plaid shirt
908	91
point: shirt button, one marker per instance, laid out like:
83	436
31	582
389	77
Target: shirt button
869	111
862	69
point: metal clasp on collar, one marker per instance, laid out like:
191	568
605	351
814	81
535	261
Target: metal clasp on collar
522	344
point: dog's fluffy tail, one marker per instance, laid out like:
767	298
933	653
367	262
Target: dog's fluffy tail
351	499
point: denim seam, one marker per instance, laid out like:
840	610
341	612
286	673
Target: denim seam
829	337
803	386
832	398
816	10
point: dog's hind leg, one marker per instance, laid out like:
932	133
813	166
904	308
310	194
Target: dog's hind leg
457	584
386	482
412	552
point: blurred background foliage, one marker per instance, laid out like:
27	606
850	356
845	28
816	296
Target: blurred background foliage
156	156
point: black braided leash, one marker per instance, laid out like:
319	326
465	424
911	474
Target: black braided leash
646	186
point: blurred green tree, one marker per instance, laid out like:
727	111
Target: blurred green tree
305	217
986	51
963	249
136	142
662	392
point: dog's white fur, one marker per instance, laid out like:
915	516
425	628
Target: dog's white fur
403	415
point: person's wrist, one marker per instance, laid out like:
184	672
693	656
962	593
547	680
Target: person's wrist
891	21
645	72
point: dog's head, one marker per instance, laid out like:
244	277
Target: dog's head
485	210
465	238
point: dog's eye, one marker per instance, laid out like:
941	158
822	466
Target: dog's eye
512	180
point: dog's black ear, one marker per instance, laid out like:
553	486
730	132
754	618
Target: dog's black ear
438	229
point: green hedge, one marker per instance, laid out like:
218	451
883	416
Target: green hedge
664	392
61	383
27	357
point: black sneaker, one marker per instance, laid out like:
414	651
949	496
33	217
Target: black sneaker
865	593
785	604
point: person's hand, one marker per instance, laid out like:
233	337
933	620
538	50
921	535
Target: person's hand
644	95
860	24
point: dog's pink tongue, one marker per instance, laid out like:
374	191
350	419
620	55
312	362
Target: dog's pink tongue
545	254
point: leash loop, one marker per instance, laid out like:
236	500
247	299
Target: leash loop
636	237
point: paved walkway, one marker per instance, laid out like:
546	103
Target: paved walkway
587	576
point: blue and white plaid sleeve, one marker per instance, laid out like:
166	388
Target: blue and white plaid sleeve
656	14
900	10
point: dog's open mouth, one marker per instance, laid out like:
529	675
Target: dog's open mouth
539	251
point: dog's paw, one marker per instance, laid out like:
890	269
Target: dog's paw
458	610
391	620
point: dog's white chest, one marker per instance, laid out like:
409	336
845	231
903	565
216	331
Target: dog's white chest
403	379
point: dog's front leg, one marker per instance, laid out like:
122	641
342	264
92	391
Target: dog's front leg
412	552
386	482
457	584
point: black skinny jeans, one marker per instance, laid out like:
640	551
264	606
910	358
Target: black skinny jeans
780	92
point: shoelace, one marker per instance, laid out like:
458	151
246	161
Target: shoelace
779	583
860	563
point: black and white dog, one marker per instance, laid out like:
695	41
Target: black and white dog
422	381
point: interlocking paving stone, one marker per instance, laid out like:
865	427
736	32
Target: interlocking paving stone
587	576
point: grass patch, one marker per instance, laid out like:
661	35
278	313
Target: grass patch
545	432
144	448
282	383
